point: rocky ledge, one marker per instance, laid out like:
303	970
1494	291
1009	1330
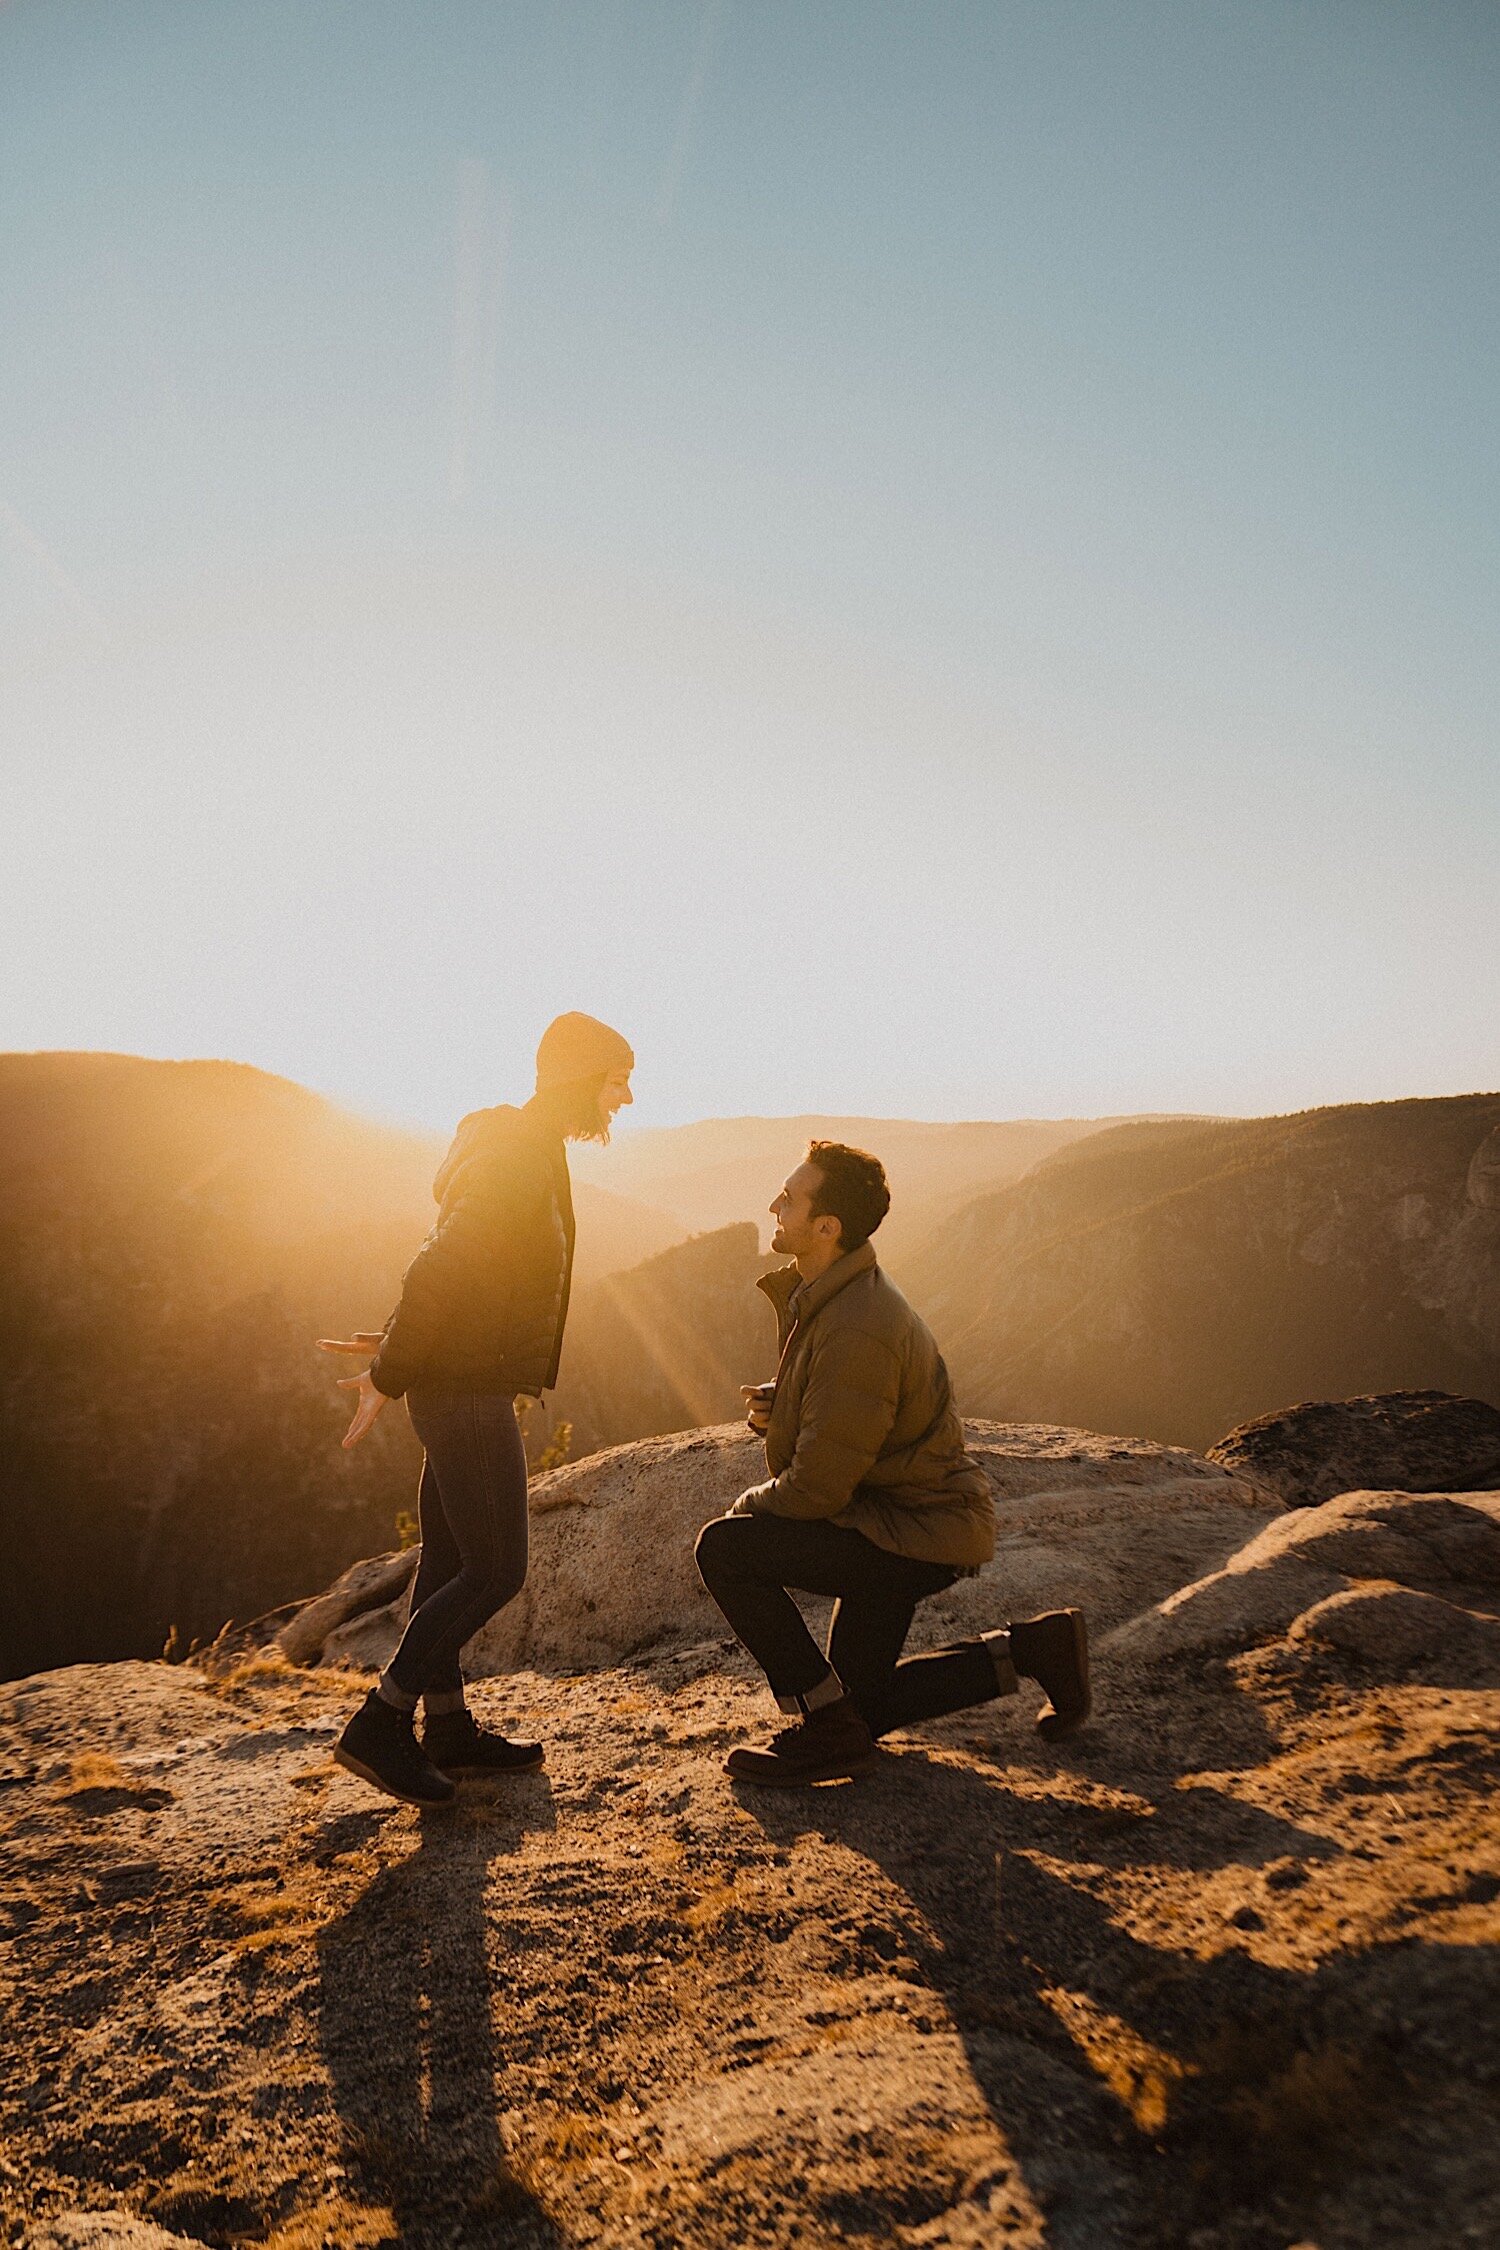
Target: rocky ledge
1111	1523
1221	1974
1414	1441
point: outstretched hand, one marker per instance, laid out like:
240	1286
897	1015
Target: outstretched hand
367	1407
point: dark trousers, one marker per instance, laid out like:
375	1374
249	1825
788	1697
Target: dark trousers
748	1562
472	1510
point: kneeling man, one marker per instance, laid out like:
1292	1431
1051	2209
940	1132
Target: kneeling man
872	1498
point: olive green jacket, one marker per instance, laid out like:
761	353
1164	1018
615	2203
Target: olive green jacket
863	1428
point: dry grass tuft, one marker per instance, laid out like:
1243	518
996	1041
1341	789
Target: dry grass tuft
335	2225
713	1903
95	1769
267	1667
260	1941
558	2148
1142	2077
263	1666
293	1914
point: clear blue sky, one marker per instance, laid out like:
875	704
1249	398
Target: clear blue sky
934	560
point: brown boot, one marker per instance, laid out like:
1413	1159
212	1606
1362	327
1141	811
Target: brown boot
1054	1651
825	1746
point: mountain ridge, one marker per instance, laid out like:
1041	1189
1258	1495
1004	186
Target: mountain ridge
719	1171
1332	1252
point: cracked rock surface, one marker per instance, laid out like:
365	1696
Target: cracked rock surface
1221	1973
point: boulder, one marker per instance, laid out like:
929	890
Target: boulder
1438	1552
1404	1441
1399	1630
375	1584
106	2230
1110	1523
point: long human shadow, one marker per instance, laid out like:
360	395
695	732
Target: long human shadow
406	2031
1185	2091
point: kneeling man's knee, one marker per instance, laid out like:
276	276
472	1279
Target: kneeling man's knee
717	1542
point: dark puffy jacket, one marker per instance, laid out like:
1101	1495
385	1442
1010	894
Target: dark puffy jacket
484	1300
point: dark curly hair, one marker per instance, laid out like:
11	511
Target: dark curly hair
853	1190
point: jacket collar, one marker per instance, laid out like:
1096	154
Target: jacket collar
486	1131
779	1284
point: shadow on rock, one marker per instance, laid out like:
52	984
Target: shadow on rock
1178	2092
406	2030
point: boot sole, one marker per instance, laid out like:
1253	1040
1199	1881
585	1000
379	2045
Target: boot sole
844	1771
1052	1725
493	1773
377	1781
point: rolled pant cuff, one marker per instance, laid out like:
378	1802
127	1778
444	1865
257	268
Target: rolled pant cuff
441	1703
392	1692
997	1647
830	1689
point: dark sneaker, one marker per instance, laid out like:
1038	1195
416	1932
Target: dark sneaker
380	1745
455	1744
1054	1651
827	1745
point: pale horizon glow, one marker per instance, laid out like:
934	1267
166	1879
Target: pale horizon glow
932	563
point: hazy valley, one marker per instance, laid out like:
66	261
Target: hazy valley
174	1236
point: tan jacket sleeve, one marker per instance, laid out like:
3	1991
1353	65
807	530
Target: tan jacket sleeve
848	1410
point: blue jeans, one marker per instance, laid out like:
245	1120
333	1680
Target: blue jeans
472	1509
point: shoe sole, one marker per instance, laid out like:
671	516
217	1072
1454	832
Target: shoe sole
1052	1726
843	1772
493	1773
377	1781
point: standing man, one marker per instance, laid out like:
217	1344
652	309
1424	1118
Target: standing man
872	1498
481	1317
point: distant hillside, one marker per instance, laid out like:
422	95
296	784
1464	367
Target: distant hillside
173	1236
1174	1279
287	1166
667	1346
615	1232
726	1169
